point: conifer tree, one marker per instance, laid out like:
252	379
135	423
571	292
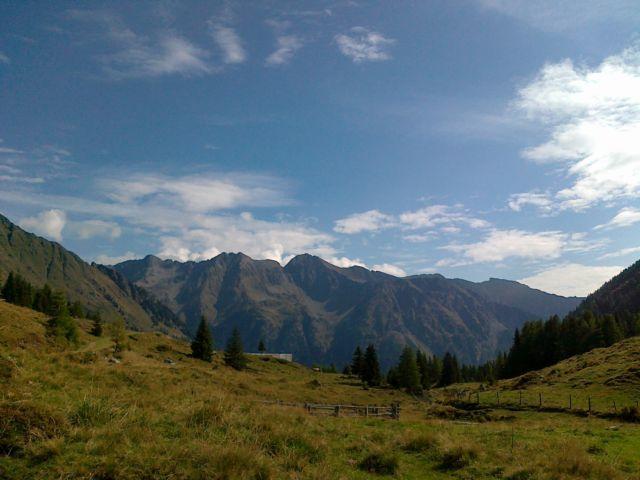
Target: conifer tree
96	328
357	362
408	375
76	310
118	335
423	369
371	367
8	290
450	370
261	346
202	345
234	352
61	325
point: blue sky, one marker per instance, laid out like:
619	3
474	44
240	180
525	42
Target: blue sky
472	138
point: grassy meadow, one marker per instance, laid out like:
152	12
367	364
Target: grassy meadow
70	412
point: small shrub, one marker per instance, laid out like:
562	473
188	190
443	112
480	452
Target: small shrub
420	444
7	368
458	457
630	414
379	463
91	413
21	424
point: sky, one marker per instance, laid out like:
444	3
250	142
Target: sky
471	138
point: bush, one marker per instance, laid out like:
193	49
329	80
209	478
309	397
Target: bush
379	463
420	444
458	457
630	414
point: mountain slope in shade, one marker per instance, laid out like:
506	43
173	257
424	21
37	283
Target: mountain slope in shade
41	261
537	303
621	294
320	312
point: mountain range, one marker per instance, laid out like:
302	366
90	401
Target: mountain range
311	308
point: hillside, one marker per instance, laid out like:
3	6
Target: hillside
621	294
41	261
157	413
533	301
320	312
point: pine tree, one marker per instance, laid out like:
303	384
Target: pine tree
202	345
450	370
357	362
234	353
423	369
118	335
611	331
8	290
408	375
61	325
76	310
371	367
261	346
96	328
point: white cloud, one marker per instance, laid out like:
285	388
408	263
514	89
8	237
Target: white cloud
624	218
443	218
390	269
542	201
140	56
364	45
345	262
571	279
286	48
369	221
594	119
500	245
49	223
230	44
109	260
620	253
4	59
95	228
199	193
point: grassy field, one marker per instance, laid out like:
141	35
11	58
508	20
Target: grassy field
74	412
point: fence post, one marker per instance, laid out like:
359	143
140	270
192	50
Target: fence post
498	396
337	410
570	402
367	411
520	397
615	409
540	400
589	405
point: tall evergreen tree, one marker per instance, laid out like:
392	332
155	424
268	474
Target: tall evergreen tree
61	325
96	328
202	345
423	369
357	362
261	346
76	310
8	289
450	370
371	368
408	375
234	352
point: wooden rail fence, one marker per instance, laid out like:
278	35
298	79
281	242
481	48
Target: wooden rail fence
391	411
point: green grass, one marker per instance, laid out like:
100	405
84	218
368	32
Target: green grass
68	412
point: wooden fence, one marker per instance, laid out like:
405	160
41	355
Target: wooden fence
572	402
391	411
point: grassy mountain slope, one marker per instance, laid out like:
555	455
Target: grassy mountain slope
68	412
41	261
537	303
320	312
619	295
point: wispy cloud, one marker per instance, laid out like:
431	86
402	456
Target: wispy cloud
620	253
443	218
364	45
593	115
390	269
286	48
624	218
500	245
112	260
571	279
138	56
